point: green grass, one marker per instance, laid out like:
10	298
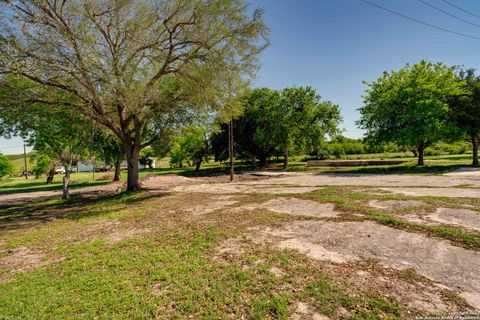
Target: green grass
20	184
170	271
18	162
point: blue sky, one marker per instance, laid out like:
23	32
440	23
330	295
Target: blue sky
332	45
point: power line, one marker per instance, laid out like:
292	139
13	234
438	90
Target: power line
461	9
421	22
448	13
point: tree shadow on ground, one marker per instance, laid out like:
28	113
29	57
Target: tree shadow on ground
203	172
79	206
24	187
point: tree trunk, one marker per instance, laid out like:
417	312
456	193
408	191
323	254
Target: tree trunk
263	162
414	151
118	163
197	165
133	183
50	175
285	157
66	180
253	160
420	150
475	144
230	148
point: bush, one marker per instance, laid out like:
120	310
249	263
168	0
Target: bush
337	150
42	165
6	168
459	147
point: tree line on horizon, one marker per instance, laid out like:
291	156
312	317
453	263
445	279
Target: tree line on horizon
127	80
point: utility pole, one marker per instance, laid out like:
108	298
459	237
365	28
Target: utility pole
230	147
94	163
25	161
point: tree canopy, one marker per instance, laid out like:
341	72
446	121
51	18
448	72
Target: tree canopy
409	106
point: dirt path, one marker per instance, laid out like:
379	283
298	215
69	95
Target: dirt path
377	180
463	185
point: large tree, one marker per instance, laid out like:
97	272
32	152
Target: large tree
465	110
409	106
304	120
124	63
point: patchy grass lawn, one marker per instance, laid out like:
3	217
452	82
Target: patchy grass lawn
168	269
144	255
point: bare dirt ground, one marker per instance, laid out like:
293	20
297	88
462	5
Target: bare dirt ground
343	242
288	182
464	218
301	207
437	192
389	180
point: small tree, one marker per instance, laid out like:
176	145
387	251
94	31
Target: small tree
192	147
108	149
465	110
55	131
409	106
44	164
6	168
146	157
62	137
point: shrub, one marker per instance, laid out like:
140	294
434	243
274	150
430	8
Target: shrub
42	165
6	168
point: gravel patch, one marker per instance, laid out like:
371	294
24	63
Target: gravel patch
395	204
437	192
301	207
465	218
